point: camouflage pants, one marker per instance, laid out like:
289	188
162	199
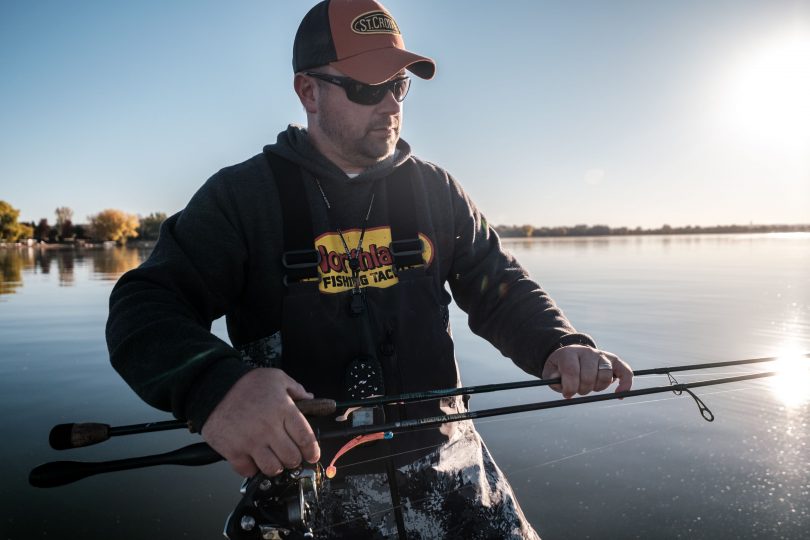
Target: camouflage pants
457	491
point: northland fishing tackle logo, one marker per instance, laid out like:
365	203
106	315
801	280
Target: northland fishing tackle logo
375	22
376	261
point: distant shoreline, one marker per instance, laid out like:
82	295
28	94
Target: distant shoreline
505	232
139	244
577	231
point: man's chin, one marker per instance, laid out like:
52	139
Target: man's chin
380	152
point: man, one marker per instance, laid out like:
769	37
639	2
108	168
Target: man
329	253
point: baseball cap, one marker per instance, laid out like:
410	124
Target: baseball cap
357	37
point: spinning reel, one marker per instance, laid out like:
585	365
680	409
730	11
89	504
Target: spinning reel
278	508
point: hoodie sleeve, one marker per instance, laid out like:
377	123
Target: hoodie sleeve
158	330
504	305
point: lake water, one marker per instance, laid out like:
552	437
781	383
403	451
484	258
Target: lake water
647	467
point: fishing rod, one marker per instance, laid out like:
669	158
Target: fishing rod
65	472
75	435
284	506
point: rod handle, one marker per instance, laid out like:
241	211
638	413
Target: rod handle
65	436
76	435
316	407
59	473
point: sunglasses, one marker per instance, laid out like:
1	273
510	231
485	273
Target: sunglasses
366	94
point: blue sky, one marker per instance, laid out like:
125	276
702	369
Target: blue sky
549	113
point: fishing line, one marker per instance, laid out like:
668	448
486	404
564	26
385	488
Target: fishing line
414	502
588	451
372	460
515	418
740	372
538	414
677	397
431	447
626	404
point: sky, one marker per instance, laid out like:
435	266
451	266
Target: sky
557	113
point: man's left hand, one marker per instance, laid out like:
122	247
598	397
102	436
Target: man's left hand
584	369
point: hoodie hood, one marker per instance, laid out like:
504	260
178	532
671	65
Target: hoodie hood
295	145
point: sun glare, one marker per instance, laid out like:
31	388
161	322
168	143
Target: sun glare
767	99
791	384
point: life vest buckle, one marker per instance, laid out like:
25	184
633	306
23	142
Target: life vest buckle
301	258
301	264
407	252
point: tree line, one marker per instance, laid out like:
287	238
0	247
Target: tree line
119	226
107	225
529	231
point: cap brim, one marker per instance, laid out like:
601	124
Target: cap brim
380	65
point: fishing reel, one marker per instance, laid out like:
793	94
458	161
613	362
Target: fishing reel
278	508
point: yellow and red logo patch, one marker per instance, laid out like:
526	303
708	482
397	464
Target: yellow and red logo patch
376	261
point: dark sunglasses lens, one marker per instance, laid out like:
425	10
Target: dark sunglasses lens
370	94
367	94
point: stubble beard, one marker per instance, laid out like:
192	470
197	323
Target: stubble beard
359	146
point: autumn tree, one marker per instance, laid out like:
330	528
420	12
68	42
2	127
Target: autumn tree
114	225
10	229
150	225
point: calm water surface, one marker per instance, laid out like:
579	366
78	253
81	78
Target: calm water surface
646	467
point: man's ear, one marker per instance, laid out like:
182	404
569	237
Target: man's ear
307	90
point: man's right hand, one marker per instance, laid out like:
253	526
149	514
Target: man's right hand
257	426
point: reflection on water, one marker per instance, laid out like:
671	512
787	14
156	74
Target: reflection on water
791	385
110	265
10	271
103	264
